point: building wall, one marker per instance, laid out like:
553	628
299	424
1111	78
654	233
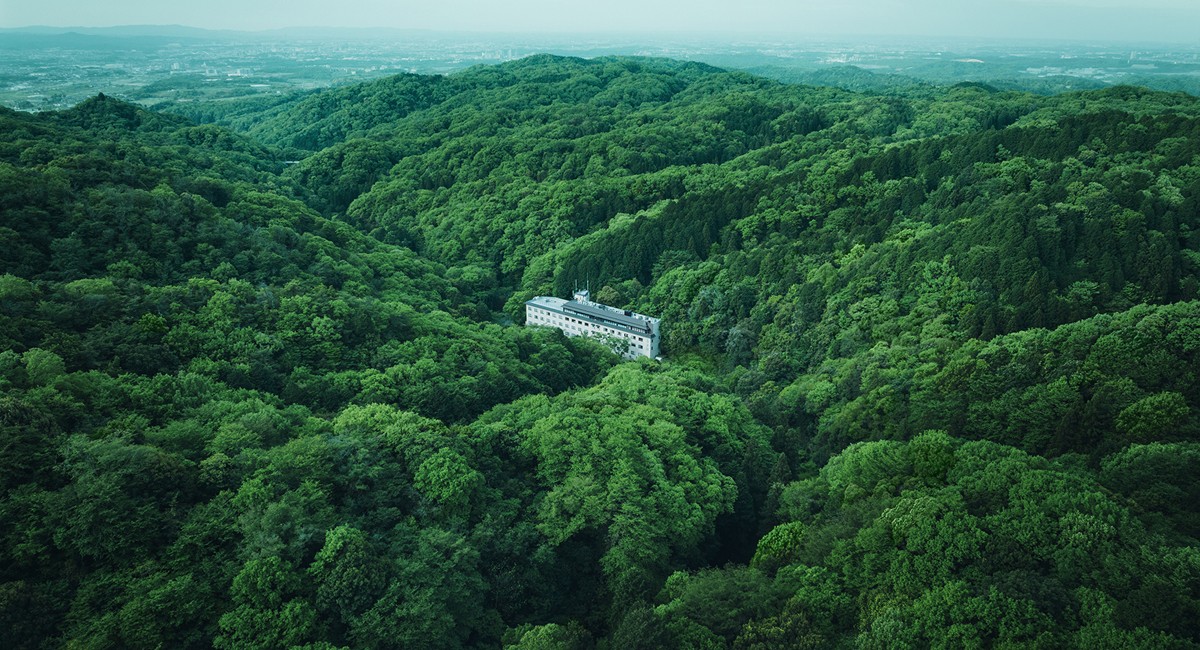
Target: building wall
639	345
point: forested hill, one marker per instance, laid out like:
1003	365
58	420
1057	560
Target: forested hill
932	374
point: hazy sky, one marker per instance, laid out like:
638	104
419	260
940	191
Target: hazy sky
1152	20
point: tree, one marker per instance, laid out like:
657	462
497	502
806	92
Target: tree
268	611
551	636
1152	418
349	574
42	366
435	600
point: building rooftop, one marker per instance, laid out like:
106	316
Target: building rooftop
547	302
609	315
597	313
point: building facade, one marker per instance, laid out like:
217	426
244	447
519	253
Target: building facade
630	334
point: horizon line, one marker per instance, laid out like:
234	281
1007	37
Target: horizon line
694	33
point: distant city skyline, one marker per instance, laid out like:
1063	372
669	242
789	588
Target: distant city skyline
1174	21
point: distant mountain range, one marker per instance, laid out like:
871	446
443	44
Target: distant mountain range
141	36
185	32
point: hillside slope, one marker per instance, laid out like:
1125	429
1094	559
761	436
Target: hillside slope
931	376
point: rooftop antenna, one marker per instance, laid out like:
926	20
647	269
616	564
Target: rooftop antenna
582	295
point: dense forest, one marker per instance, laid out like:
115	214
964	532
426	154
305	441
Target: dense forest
932	372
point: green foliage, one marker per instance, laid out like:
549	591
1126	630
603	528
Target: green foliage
1161	483
551	636
779	547
42	366
997	549
265	613
1154	417
930	379
613	464
348	573
434	601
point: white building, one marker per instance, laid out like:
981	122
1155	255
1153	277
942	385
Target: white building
632	335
